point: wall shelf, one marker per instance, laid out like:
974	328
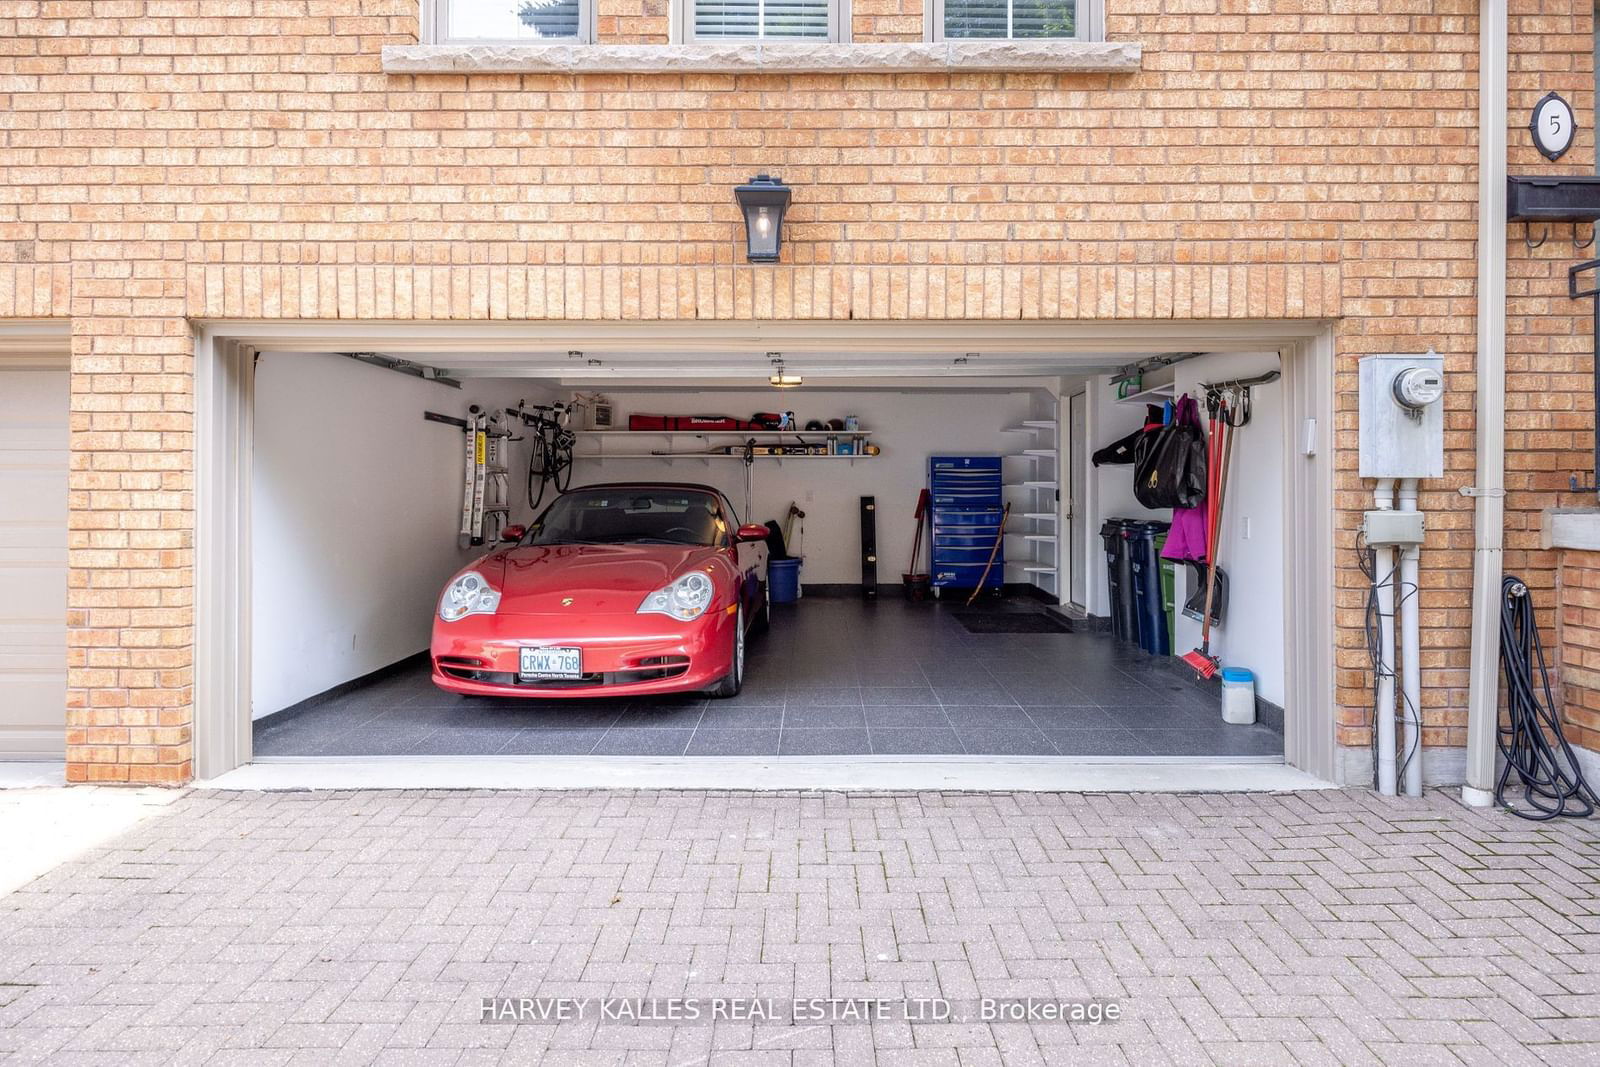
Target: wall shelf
1030	426
1153	395
621	434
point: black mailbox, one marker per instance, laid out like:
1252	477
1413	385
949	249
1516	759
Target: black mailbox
1572	198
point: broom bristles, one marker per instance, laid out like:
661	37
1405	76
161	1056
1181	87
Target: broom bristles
1203	665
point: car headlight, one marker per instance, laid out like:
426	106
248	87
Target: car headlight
470	594
685	599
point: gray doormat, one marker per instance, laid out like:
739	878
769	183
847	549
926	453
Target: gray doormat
1011	622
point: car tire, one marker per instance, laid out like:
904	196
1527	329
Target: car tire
733	681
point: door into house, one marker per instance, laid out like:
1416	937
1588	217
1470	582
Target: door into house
1077	510
33	563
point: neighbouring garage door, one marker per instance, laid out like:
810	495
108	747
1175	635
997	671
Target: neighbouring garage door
33	563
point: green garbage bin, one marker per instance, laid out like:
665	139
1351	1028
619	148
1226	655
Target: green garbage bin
1169	579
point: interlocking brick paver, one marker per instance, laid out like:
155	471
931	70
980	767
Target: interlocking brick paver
356	928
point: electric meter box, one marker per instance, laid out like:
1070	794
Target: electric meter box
1402	416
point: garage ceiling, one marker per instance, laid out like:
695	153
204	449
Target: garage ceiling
928	354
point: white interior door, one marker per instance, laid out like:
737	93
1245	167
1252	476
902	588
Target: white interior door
1077	511
33	563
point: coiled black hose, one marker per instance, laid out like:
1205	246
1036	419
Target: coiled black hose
1552	783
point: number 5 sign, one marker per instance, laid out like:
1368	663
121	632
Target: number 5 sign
1552	126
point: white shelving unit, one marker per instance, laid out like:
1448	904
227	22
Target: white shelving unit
1033	474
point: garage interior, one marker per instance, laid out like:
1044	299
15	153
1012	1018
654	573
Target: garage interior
355	498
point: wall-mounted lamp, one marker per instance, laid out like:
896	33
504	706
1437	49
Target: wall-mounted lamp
763	202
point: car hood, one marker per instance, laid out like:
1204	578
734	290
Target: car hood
536	579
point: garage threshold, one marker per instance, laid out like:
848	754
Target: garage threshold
1080	774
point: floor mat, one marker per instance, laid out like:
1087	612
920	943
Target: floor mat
1011	622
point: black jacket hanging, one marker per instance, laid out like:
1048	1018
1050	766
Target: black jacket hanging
1122	449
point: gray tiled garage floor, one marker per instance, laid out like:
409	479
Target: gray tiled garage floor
832	677
352	928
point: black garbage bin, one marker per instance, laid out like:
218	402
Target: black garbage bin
1119	579
1149	608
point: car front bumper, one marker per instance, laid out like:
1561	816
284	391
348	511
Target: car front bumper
622	655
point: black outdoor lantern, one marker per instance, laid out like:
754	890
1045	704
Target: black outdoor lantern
763	202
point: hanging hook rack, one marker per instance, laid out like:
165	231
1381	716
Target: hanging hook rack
1240	386
1543	237
1576	247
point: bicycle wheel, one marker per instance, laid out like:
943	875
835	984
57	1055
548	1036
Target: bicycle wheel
563	463
538	471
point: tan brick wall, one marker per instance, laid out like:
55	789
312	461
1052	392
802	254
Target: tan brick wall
1578	633
170	160
886	20
633	22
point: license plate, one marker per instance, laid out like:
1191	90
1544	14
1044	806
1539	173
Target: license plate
551	663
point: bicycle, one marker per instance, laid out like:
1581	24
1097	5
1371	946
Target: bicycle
550	461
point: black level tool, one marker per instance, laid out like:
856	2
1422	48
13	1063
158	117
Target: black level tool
869	546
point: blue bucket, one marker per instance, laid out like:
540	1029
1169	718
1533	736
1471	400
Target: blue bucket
783	579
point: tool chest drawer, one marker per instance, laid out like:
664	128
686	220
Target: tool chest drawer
965	576
966	493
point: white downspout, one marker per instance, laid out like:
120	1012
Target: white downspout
1410	591
1383	577
1483	693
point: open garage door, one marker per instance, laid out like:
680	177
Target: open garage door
33	562
360	475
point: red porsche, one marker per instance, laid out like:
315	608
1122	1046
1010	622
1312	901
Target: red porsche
623	590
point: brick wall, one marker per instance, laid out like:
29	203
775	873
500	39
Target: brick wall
886	20
1578	635
164	160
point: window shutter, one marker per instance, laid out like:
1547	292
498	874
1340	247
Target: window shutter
761	18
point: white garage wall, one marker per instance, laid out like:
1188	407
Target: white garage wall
1111	486
909	426
1252	532
1252	535
354	516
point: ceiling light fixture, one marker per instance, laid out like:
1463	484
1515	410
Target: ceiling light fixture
781	379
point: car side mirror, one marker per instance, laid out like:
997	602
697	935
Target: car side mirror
513	534
751	531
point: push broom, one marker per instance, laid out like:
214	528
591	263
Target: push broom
999	538
1200	659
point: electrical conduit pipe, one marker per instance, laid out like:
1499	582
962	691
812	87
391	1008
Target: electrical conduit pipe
1410	653
1383	579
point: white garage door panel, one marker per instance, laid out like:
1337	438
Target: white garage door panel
33	563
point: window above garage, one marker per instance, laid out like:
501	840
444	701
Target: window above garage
771	20
476	22
1015	20
756	36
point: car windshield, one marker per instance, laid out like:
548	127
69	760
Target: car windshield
638	516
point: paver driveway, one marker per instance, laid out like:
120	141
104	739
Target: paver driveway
1329	927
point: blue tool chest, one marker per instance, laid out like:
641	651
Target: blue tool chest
966	496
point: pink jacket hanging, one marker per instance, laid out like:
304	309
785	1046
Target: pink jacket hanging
1187	538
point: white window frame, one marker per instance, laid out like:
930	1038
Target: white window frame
435	27
1090	23
681	30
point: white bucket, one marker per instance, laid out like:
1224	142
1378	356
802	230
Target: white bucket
1238	696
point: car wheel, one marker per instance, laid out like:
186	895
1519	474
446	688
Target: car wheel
733	681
